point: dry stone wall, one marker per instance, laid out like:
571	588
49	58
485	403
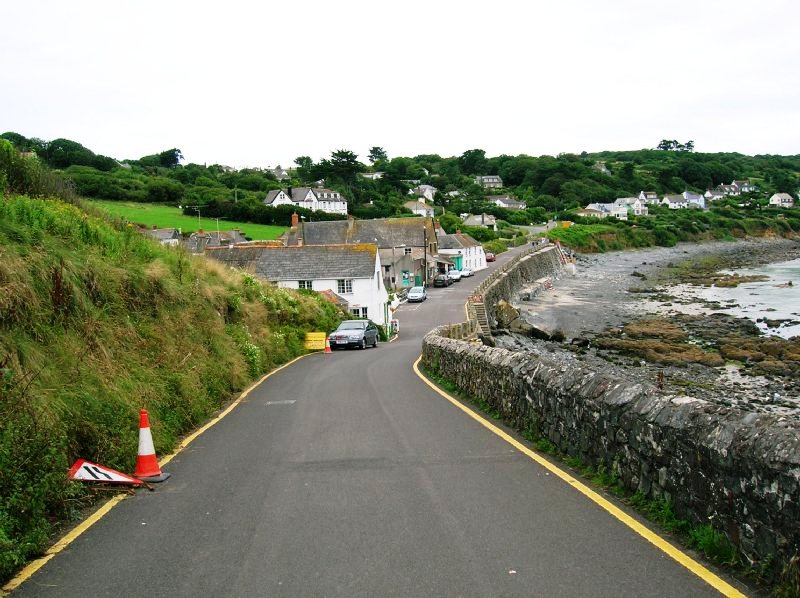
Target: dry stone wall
738	471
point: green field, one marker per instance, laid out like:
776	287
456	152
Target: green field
161	216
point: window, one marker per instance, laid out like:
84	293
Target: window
407	251
304	284
344	285
359	312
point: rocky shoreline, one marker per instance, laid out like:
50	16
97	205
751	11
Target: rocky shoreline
614	315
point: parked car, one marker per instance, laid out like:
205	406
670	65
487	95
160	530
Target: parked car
417	295
466	272
490	257
455	275
354	333
442	280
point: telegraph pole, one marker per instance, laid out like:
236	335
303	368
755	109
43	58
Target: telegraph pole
425	252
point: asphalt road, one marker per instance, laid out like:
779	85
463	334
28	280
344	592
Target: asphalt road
345	475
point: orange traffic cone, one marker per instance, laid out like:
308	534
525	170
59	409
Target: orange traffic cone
147	468
327	345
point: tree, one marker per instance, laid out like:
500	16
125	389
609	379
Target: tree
306	170
170	158
473	162
342	167
377	154
667	144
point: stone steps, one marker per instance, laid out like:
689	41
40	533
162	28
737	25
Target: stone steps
480	316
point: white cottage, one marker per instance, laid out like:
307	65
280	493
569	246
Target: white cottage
353	272
317	200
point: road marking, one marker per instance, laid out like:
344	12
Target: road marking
682	558
287	402
73	535
70	537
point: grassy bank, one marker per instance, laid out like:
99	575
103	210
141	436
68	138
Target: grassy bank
163	216
97	322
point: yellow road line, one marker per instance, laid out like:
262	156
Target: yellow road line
73	534
685	560
68	538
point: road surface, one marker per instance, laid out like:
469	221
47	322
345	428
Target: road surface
344	474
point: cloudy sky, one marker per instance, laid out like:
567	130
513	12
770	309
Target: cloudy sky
260	83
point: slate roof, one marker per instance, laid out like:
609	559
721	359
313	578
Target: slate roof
417	205
386	232
271	196
480	220
456	241
306	262
163	234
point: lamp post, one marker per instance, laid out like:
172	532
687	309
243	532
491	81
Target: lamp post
193	208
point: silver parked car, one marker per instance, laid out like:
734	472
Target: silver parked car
417	295
465	272
354	333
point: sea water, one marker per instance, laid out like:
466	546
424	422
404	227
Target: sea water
773	299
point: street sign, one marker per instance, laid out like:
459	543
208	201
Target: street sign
86	471
315	341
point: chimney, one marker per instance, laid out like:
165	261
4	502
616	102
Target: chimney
295	220
289	192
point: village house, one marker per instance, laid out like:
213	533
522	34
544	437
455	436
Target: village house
279	173
782	200
352	272
491	181
425	191
166	236
633	205
420	208
694	198
199	241
675	202
464	251
408	247
317	200
713	195
506	201
483	220
620	212
590	213
737	187
744	186
649	197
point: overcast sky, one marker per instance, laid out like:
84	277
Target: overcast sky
260	83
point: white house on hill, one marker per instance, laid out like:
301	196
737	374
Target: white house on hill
322	200
782	200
